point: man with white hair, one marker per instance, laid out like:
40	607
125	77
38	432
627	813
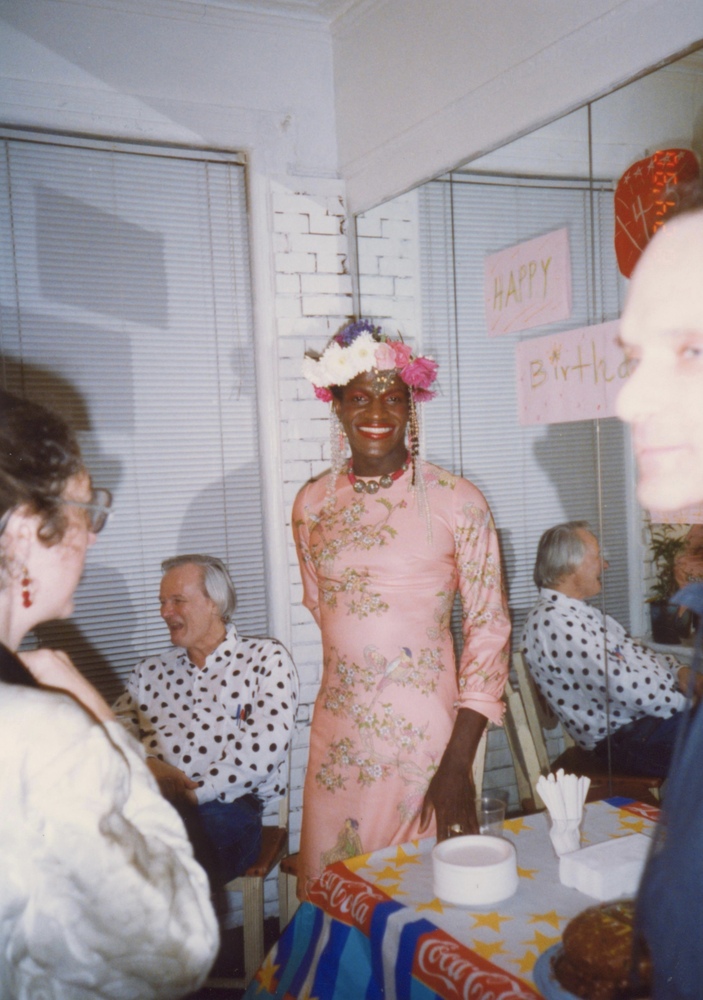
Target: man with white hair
595	677
214	714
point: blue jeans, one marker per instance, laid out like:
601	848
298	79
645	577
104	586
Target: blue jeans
226	836
644	747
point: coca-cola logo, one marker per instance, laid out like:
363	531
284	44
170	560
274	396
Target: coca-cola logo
346	898
441	962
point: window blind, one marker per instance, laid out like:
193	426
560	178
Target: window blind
126	307
533	477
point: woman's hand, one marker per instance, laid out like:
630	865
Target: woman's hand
53	669
451	792
175	785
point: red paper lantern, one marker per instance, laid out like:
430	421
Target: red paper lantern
645	195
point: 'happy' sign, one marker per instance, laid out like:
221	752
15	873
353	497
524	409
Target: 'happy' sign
528	284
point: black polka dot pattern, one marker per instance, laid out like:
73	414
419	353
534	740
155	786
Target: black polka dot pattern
228	725
563	644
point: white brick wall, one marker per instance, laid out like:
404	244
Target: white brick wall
313	299
388	250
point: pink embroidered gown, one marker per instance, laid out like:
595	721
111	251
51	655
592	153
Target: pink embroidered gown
382	595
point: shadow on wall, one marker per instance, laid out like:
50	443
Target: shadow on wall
81	643
43	385
240	549
112	629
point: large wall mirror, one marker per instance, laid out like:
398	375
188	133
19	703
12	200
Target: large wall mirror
421	263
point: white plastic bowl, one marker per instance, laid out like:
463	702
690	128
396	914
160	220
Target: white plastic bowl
474	870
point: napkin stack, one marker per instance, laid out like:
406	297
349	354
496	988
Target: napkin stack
564	796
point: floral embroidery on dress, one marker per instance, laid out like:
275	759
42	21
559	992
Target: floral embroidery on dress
343	529
354	584
443	612
386	743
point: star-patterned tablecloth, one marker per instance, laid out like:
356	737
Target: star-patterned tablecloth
374	927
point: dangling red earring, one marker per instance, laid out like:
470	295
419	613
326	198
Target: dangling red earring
26	584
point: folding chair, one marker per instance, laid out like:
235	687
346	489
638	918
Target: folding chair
574	759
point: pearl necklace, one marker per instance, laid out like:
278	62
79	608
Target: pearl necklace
374	485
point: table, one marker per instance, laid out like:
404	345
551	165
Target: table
374	927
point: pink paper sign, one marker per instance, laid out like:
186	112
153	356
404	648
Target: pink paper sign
528	284
575	375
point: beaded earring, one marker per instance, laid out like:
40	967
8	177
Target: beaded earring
26	583
418	476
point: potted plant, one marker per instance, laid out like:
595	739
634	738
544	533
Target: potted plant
669	624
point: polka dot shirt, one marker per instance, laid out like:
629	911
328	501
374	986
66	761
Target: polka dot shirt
563	643
227	725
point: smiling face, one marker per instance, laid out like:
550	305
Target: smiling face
374	418
662	329
193	620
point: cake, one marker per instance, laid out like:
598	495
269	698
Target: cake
596	955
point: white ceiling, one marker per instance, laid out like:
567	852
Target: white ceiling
324	11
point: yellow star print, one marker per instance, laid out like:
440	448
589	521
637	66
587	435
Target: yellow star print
492	920
527	872
354	864
436	905
542	941
517	824
552	918
527	962
266	975
488	949
634	825
402	858
392	890
391	872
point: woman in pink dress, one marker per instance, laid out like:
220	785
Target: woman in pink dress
384	541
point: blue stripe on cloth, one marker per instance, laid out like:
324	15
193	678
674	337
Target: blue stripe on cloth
307	923
379	921
406	987
344	967
293	954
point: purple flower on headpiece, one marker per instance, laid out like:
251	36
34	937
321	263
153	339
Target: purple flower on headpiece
420	373
348	334
324	394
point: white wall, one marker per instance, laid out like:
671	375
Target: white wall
425	85
178	72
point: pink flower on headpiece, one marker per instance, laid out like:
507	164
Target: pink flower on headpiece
402	352
324	394
384	357
420	373
423	395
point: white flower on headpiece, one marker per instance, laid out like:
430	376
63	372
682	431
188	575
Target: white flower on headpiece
312	370
362	354
337	365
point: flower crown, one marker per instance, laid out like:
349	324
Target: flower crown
362	347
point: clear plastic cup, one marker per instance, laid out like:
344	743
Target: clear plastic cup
490	813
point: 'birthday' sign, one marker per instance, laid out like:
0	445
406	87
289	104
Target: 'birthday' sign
571	376
528	284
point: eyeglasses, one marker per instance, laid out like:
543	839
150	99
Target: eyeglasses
98	509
